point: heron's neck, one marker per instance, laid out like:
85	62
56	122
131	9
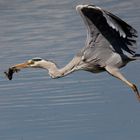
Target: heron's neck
54	72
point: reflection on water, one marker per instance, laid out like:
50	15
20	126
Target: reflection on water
80	106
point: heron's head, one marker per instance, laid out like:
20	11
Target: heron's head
32	63
36	62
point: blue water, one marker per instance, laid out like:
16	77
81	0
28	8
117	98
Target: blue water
80	106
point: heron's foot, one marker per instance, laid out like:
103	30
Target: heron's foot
138	97
134	87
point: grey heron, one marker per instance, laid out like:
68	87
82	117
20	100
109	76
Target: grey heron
110	45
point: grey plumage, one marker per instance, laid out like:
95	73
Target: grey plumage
107	36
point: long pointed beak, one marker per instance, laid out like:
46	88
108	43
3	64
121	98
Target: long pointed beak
16	68
21	65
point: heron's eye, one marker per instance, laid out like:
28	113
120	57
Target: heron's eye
31	62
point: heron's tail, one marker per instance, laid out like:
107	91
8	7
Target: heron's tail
136	57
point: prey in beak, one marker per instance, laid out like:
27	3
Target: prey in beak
9	73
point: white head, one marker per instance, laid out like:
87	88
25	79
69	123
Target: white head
35	62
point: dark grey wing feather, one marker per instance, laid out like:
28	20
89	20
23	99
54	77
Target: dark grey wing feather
120	35
128	34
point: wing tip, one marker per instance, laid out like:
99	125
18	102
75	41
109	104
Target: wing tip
82	6
79	7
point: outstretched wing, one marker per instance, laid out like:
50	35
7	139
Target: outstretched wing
120	35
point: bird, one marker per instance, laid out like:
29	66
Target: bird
110	45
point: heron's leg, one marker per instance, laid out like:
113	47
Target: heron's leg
116	73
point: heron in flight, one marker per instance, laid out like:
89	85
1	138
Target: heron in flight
110	45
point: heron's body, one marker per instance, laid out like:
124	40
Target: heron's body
110	45
98	62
